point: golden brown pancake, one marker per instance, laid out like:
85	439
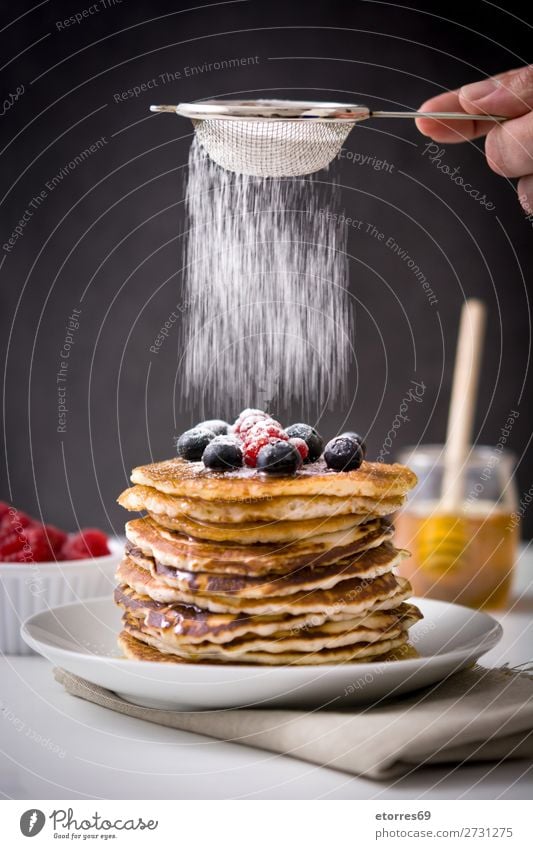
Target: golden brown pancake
136	650
303	641
248	533
174	549
192	480
283	508
182	625
137	569
350	596
193	624
359	652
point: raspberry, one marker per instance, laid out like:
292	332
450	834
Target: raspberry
247	424
9	544
247	419
268	427
301	446
22	556
89	542
13	520
262	433
37	540
252	447
56	538
4	508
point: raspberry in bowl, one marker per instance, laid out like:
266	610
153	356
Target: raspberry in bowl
42	566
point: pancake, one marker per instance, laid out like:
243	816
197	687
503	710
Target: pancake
275	644
181	625
177	628
192	480
351	596
248	533
146	498
359	652
192	624
174	549
141	581
140	571
134	649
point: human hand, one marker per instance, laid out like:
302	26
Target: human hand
508	146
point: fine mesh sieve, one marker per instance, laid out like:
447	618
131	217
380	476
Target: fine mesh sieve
282	138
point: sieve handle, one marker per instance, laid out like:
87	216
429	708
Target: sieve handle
357	113
446	116
163	108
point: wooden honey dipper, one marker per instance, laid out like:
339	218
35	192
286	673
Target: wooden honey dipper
442	537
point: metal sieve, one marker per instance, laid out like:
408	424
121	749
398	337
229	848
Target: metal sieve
282	138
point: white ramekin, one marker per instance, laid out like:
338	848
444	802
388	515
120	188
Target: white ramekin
28	588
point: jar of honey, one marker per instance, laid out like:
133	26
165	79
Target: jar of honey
466	554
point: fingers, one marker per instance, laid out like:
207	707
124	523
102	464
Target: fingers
509	147
449	131
525	193
509	95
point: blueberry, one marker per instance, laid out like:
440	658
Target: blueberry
343	453
222	454
357	438
192	444
314	441
279	458
218	427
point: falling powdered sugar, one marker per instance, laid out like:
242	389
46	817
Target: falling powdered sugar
265	272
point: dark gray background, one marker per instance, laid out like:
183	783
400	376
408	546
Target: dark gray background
107	239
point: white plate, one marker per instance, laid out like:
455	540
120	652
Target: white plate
81	638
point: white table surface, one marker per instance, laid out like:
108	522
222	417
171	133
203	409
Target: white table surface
54	746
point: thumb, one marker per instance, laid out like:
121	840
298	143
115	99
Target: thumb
509	95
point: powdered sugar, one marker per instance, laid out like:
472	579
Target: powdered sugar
266	272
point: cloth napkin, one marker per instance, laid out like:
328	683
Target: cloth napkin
475	715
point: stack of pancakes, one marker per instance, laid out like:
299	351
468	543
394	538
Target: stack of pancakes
242	567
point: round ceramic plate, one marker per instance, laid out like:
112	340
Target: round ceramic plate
81	638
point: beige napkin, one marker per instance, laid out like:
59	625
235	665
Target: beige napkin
478	714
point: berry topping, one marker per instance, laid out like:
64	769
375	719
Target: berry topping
314	441
265	427
301	446
357	438
89	542
252	447
264	432
219	427
279	458
192	444
247	419
223	454
343	453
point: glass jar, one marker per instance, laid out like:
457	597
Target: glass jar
465	555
